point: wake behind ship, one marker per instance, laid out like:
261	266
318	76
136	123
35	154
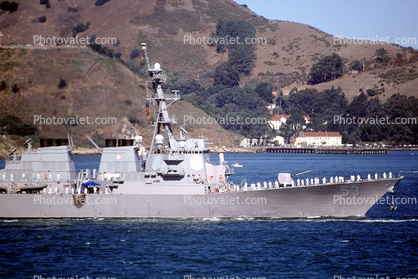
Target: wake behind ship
173	179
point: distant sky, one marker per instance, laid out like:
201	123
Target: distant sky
348	18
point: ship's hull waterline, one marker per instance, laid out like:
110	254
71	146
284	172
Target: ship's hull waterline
336	200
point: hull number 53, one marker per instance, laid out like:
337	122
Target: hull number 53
354	190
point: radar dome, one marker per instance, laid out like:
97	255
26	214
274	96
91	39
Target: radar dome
138	139
159	139
157	66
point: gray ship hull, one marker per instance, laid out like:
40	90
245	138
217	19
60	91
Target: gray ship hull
337	200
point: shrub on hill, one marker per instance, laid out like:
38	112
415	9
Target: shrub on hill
356	65
381	56
3	85
328	68
134	54
62	84
371	92
80	27
15	126
101	2
42	19
7	6
102	50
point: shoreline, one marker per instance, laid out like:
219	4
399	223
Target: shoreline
248	150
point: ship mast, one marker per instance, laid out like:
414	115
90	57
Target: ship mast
156	78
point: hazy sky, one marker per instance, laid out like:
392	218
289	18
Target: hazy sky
348	18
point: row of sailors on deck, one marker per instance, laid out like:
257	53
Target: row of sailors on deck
312	181
48	176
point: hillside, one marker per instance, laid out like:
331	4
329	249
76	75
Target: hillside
98	86
285	53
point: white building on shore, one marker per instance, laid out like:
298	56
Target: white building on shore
318	139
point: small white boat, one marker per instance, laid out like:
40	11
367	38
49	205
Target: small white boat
237	165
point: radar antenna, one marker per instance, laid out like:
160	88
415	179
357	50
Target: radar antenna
12	152
155	80
144	48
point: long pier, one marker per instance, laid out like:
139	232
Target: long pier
327	150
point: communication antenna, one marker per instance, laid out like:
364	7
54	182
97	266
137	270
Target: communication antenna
95	145
138	133
29	143
69	135
144	48
183	129
12	152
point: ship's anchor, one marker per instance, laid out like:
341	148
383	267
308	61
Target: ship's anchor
392	206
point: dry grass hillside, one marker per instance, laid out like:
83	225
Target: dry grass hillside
164	24
96	87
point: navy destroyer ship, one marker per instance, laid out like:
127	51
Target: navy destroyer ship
174	178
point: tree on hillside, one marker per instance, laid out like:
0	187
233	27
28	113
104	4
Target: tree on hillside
328	68
381	55
292	127
236	36
42	19
80	27
62	84
135	53
3	85
357	107
7	6
356	65
265	91
101	2
226	75
242	57
15	126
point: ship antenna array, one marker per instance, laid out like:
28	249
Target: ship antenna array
144	48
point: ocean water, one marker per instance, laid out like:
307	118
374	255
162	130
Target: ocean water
383	245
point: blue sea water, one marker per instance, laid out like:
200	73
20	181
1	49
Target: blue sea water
385	244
